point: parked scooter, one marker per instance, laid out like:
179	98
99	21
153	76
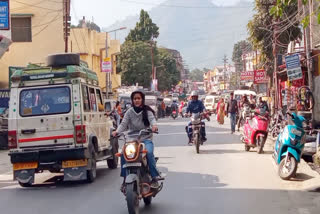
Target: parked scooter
289	147
138	180
255	131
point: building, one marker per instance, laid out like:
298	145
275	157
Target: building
36	31
218	79
90	44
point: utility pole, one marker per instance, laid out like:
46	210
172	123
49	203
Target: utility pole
225	61
308	48
66	23
107	73
275	52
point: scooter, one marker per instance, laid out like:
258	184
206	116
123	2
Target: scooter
289	147
138	180
174	114
255	131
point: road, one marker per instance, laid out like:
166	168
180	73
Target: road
223	179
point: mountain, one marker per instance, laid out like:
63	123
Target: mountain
202	31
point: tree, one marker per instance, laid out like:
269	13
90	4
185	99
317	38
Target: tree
135	63
89	25
239	49
145	29
261	32
278	10
167	72
196	75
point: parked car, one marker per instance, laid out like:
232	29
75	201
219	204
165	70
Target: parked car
57	122
151	101
210	103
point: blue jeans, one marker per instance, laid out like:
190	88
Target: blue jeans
202	130
233	121
150	158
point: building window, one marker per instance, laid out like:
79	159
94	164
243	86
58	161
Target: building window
21	29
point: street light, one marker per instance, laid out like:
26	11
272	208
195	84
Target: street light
108	74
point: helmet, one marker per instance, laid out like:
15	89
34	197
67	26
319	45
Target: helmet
194	93
140	92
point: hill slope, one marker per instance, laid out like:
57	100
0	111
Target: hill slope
200	30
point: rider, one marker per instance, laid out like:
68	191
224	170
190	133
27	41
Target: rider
139	117
174	106
263	106
195	106
244	101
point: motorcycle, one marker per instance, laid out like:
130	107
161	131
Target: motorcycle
138	180
174	114
277	124
196	124
255	131
289	147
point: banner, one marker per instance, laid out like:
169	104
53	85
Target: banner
107	65
247	75
260	77
293	67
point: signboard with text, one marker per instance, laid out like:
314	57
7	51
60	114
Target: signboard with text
247	75
260	77
106	65
4	15
293	67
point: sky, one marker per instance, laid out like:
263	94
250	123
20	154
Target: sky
106	12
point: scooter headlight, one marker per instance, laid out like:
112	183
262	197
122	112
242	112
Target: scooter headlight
130	150
293	141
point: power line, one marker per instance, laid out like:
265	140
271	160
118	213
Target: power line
45	27
182	6
35	5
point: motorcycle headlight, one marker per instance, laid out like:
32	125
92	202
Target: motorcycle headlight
130	150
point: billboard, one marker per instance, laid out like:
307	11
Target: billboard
247	75
260	77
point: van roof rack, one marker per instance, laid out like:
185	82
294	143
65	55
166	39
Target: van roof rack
33	73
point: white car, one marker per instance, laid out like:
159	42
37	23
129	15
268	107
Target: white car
210	103
57	122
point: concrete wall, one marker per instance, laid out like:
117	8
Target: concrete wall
47	35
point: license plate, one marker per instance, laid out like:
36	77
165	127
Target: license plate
74	163
21	166
131	165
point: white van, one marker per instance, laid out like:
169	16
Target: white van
57	121
210	103
239	93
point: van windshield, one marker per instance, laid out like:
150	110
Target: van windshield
151	102
209	100
45	101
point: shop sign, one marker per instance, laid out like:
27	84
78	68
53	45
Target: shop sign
293	65
247	75
107	65
260	77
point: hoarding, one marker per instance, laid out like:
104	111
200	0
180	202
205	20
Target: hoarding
260	77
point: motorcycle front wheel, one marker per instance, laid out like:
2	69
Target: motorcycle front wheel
287	169
196	142
132	199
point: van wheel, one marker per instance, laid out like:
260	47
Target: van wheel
92	163
58	60
113	163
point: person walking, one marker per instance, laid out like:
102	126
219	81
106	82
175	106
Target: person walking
118	112
232	109
221	111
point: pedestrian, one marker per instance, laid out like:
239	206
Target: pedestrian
221	111
163	109
232	109
118	112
